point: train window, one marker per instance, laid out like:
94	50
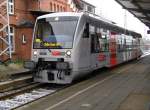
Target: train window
128	43
95	48
86	31
95	45
119	43
98	32
103	36
103	40
124	45
103	45
55	33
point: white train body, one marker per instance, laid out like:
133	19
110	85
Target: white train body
69	45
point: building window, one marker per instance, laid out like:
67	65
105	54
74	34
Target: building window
11	6
54	8
12	39
61	8
82	5
51	7
85	7
89	8
58	8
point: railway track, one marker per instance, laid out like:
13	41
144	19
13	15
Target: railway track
21	90
15	83
25	95
18	83
13	92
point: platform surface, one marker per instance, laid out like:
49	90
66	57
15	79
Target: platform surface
126	87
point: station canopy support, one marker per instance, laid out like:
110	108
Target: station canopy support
5	40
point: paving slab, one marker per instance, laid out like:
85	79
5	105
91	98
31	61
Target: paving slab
136	102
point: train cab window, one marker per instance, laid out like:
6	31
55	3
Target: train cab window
55	33
86	31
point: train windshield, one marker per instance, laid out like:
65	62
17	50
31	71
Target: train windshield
55	33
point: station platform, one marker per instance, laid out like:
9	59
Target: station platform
126	87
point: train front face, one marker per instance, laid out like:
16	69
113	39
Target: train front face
52	49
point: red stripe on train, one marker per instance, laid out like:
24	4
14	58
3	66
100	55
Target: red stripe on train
56	53
113	59
112	49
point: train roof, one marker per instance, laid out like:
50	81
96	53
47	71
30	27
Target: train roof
104	22
61	14
111	26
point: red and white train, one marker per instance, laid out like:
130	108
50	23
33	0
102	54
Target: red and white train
69	45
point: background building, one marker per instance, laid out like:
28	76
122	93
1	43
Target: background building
22	15
81	5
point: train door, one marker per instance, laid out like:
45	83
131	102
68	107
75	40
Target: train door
98	47
84	50
113	49
95	48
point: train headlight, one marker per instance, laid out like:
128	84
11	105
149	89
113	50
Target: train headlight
68	53
35	53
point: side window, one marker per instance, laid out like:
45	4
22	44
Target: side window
119	43
11	6
86	31
95	46
103	40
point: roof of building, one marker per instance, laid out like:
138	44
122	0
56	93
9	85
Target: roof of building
78	3
88	3
39	12
139	8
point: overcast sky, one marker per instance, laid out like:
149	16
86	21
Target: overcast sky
113	11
